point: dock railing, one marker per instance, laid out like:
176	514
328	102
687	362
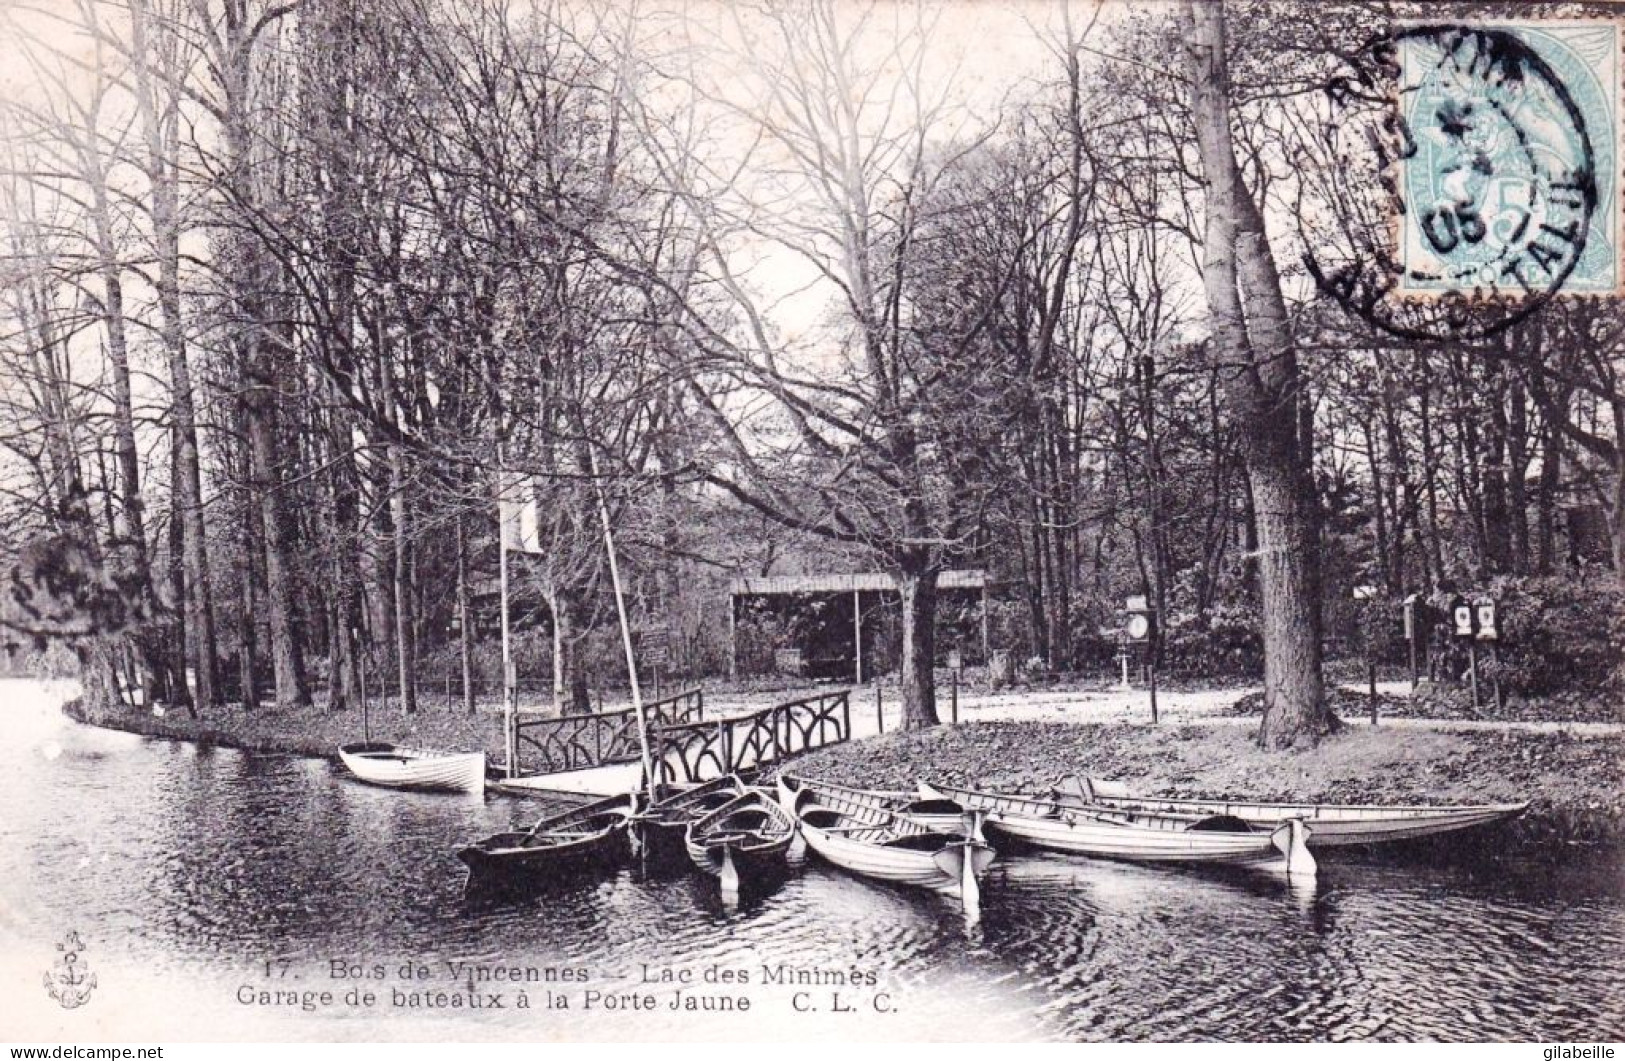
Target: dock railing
578	742
698	751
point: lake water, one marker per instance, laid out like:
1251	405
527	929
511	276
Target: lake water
219	895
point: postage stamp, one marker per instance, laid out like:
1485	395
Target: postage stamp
1509	123
1477	175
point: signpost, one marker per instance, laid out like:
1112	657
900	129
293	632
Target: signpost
1140	627
1414	612
655	648
1486	621
1462	625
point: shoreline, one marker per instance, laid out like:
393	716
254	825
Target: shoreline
1575	784
1574	781
431	727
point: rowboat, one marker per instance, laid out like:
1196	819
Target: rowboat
750	834
871	841
587	837
1330	824
1060	825
663	824
395	767
938	815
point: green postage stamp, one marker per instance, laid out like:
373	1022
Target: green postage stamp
1509	183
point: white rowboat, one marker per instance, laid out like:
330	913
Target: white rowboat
870	841
394	767
1058	825
938	815
1330	824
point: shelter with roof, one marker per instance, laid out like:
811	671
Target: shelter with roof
843	626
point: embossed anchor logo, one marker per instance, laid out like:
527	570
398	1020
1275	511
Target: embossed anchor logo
70	981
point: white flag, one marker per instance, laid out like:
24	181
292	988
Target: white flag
519	514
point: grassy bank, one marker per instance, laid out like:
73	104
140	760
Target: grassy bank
1574	784
313	731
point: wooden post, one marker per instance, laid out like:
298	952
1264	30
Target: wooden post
1495	675
857	637
1414	629
1472	671
1371	677
1151	675
955	695
987	649
880	711
733	637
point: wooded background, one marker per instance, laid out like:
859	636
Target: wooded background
287	287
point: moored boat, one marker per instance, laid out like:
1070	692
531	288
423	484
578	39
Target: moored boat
866	839
1330	824
663	824
591	836
749	836
1068	826
938	815
392	766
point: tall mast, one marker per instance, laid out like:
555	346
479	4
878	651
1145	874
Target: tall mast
626	628
509	694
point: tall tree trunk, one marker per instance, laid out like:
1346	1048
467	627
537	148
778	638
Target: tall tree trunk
917	593
465	617
1551	472
1252	343
132	527
1430	483
287	654
1616	510
1497	517
247	641
572	643
405	649
1517	451
1379	515
160	125
178	691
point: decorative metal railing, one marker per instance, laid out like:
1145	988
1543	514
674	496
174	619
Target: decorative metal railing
698	751
576	742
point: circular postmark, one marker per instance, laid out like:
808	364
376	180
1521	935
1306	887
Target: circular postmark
1462	184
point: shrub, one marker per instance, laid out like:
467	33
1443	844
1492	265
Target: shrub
1557	635
1227	646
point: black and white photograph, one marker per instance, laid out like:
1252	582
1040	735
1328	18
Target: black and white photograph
563	521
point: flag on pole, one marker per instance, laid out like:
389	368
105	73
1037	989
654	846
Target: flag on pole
520	514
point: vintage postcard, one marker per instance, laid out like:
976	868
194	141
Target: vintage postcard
811	520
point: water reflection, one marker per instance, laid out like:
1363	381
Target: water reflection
198	866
